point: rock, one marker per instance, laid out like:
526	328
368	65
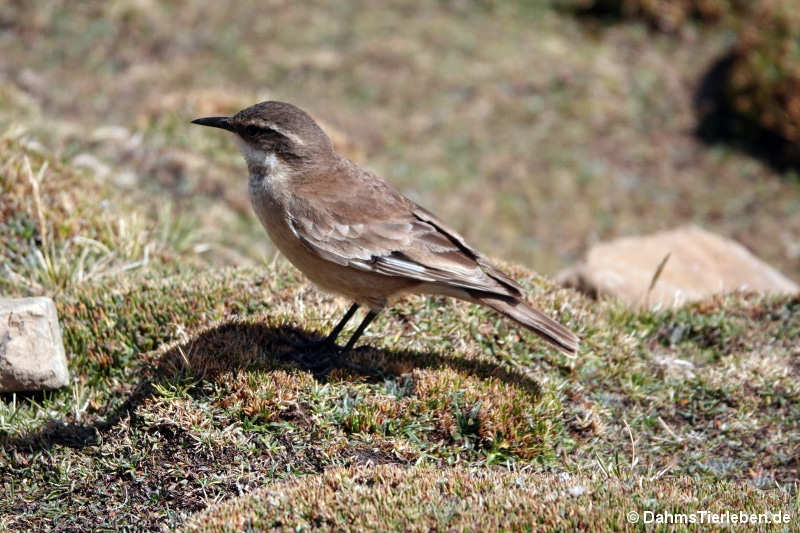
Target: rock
31	352
700	264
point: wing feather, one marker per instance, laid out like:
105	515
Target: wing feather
373	228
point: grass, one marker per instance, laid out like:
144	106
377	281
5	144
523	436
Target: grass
183	397
183	400
562	122
53	238
391	498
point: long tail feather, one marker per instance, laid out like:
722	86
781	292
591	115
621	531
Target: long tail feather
533	319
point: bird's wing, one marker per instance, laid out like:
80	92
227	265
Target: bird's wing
372	227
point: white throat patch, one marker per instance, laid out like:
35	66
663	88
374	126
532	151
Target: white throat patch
272	167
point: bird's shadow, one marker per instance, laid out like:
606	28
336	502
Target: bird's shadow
241	346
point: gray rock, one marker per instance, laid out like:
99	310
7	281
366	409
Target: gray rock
31	352
700	264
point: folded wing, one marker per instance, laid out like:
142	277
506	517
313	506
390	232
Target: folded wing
371	227
378	230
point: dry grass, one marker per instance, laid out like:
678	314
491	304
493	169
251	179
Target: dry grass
392	498
61	227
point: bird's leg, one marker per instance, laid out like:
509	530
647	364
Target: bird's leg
334	334
343	361
331	338
326	353
361	327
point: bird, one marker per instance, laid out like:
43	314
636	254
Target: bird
352	233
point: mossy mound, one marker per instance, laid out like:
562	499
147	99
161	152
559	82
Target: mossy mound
763	84
667	15
393	498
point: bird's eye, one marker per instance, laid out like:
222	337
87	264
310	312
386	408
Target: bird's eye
251	130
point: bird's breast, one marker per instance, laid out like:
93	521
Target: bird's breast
269	198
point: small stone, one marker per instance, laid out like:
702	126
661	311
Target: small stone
700	264
31	351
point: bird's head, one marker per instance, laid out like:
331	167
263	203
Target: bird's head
271	133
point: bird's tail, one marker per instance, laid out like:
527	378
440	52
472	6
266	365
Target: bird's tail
533	319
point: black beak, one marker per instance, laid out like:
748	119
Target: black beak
215	122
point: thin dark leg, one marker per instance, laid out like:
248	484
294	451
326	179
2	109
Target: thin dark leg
331	338
361	327
325	354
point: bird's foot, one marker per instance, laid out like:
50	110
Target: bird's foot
343	361
315	356
306	344
322	357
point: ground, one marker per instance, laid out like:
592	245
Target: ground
556	132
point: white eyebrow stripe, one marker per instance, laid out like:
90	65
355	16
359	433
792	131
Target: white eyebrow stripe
288	135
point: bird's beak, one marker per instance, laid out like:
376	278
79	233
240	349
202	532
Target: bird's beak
215	122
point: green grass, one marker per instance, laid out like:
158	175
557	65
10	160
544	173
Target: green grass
183	400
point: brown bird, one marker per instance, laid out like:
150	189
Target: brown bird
352	233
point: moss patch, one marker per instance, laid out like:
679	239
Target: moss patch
391	498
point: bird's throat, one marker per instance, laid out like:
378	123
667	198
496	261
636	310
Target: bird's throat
264	167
